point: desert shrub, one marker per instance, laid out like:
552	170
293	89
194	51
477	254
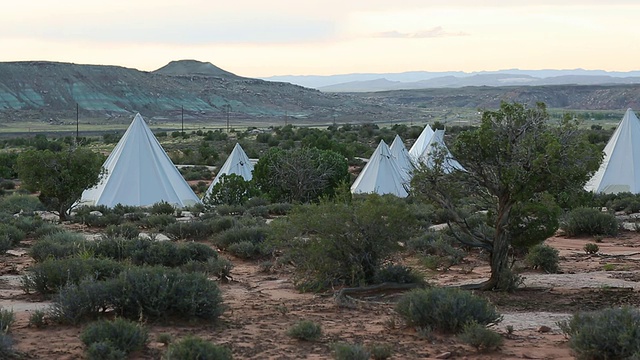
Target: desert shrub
6	347
256	201
11	233
38	318
305	330
543	257
398	274
157	221
192	230
197	348
7	318
13	204
445	309
254	235
226	210
101	221
47	229
438	249
104	350
509	280
612	333
591	248
279	208
164	338
220	224
127	231
30	225
344	351
245	250
7	185
162	207
589	221
123	334
50	275
56	245
5	244
480	337
259	211
218	267
381	351
140	293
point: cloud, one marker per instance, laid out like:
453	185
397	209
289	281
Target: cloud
435	32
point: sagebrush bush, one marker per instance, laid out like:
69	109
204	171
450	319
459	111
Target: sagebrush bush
445	309
126	230
305	330
589	221
38	318
612	333
157	221
220	224
104	350
7	318
591	248
162	207
218	267
245	250
397	274
15	203
226	210
123	334
192	230
345	351
279	208
197	348
140	292
544	257
480	337
254	235
56	245
381	351
50	275
5	244
11	233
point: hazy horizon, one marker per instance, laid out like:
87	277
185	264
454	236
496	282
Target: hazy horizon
284	37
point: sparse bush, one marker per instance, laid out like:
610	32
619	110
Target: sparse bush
245	250
305	330
509	280
445	309
254	235
591	248
127	231
398	274
49	276
197	348
5	244
589	221
381	351
162	207
11	233
218	267
279	208
226	210
344	351
480	337
104	350
157	221
544	257
612	333
7	318
164	338
56	245
7	185
123	334
259	211
148	292
13	204
38	318
192	230
218	225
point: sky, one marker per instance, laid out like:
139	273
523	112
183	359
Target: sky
261	38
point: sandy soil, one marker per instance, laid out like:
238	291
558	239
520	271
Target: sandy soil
262	306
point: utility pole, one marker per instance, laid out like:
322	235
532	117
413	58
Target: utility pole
182	107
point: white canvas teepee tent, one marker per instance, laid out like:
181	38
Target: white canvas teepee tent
402	158
620	168
237	163
380	175
437	142
139	173
421	143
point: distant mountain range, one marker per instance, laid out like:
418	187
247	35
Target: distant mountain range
457	79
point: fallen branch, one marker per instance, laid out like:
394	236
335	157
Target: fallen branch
374	290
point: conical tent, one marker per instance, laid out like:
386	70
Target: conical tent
402	158
620	168
421	143
437	142
380	175
237	163
139	173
